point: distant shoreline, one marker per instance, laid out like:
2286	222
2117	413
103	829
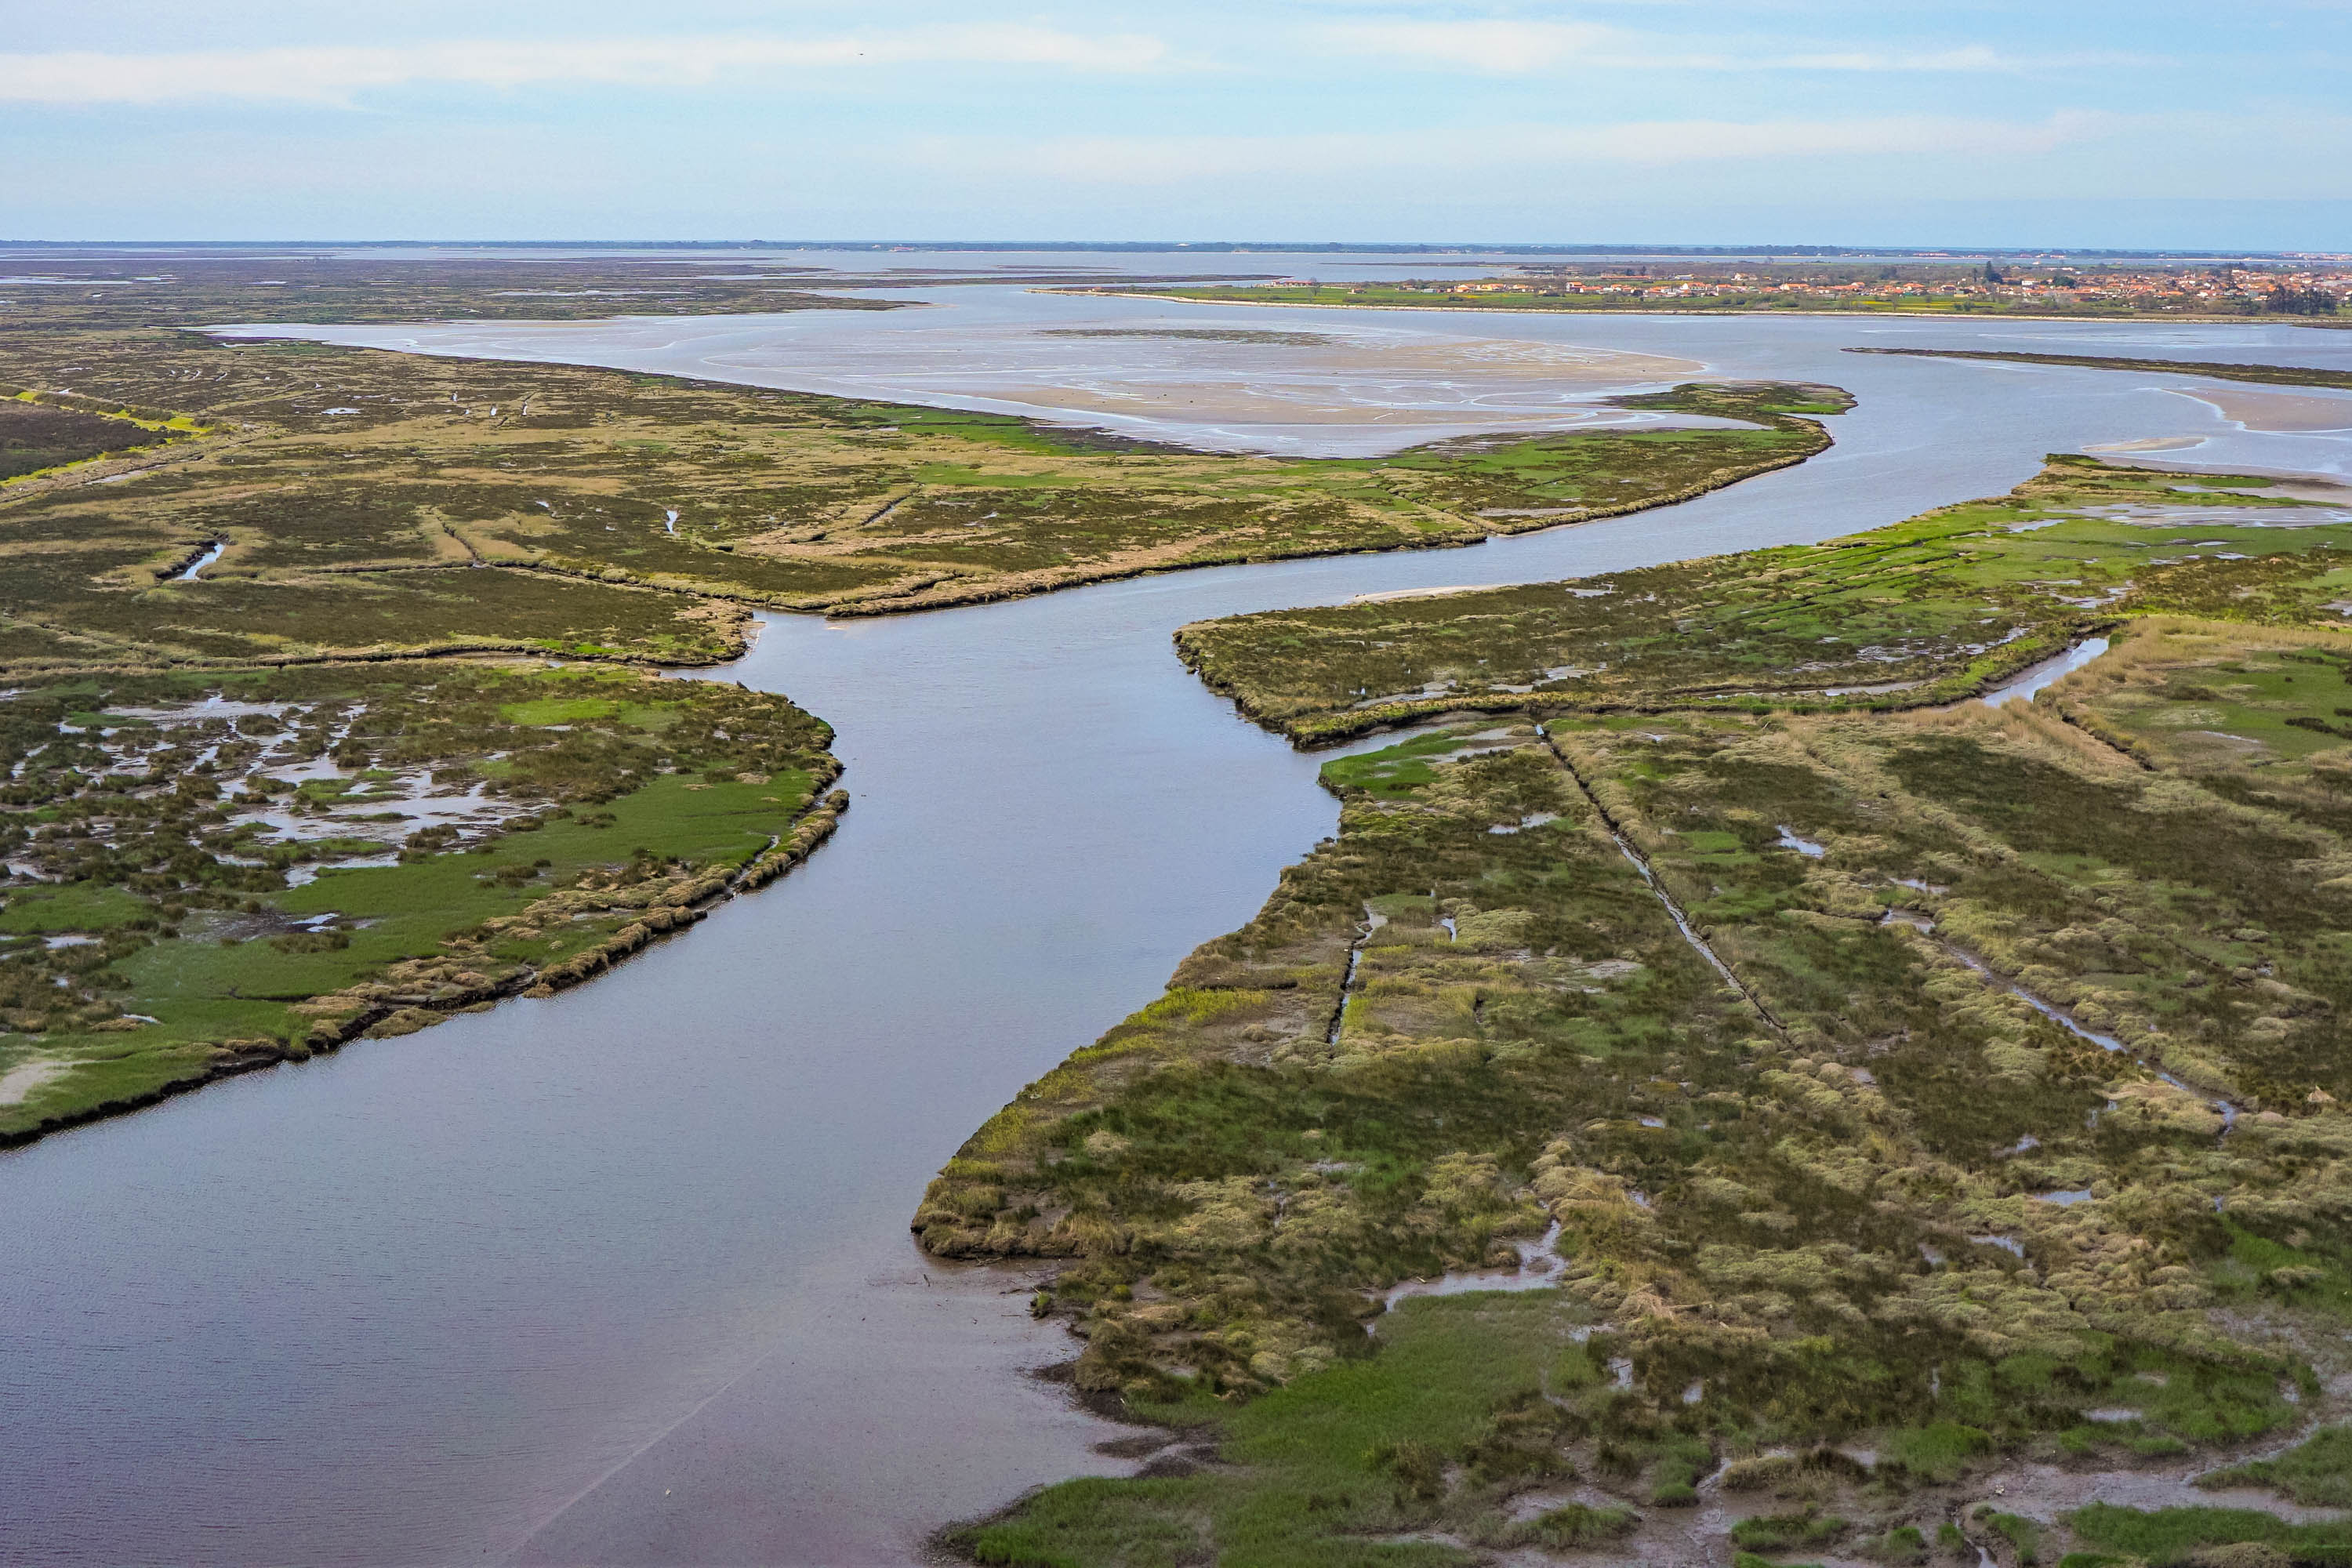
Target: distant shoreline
1640	311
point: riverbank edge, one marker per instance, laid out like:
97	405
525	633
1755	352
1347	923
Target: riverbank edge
353	656
2218	369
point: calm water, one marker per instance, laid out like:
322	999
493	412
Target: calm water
621	1276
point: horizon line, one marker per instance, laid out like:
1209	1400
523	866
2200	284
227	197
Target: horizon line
1215	247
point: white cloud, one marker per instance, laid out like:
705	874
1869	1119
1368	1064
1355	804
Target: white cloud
1509	47
1131	160
1490	45
333	76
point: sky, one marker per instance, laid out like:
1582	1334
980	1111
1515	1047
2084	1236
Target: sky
2062	123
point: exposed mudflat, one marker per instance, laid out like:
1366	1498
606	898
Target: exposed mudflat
2278	412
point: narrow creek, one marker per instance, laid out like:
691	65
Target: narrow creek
1539	1268
2049	672
621	1276
2229	1109
202	559
1658	886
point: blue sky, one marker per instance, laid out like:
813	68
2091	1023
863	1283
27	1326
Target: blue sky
2156	123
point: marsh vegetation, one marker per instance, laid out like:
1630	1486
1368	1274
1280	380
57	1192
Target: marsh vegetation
71	291
1923	612
1940	1105
247	818
38	437
217	871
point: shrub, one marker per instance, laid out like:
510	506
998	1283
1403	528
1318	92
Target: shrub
1578	1525
1418	1468
1779	1532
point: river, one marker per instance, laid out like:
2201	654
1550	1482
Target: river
621	1276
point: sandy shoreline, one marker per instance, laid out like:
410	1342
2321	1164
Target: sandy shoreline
2274	413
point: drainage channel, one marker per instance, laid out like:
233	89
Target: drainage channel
212	552
1539	1268
2108	1043
1373	920
1658	889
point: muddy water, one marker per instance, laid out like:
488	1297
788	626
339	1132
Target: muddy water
621	1276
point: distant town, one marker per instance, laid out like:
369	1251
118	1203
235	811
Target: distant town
2310	288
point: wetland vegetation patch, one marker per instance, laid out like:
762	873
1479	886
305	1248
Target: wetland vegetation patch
1924	611
37	436
207	872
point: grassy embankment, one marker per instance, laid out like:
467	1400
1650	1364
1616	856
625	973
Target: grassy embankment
2272	374
1855	1232
1721	300
198	888
354	491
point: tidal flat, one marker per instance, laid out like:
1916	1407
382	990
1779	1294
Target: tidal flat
1935	1106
